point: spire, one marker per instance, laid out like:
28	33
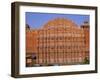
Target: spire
85	24
27	27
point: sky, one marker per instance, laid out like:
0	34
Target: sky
37	20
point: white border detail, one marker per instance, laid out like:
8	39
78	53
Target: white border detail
55	69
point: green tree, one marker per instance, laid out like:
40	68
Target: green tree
86	61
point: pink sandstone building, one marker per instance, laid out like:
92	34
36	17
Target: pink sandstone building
58	42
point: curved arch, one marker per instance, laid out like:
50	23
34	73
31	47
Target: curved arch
60	22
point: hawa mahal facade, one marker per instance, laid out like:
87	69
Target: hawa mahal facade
59	42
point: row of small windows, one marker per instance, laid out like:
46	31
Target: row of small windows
73	45
76	52
60	61
63	31
57	53
63	59
61	51
59	38
60	47
61	35
61	41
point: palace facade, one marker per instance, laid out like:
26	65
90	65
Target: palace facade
59	42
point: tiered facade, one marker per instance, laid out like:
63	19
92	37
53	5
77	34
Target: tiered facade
59	42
